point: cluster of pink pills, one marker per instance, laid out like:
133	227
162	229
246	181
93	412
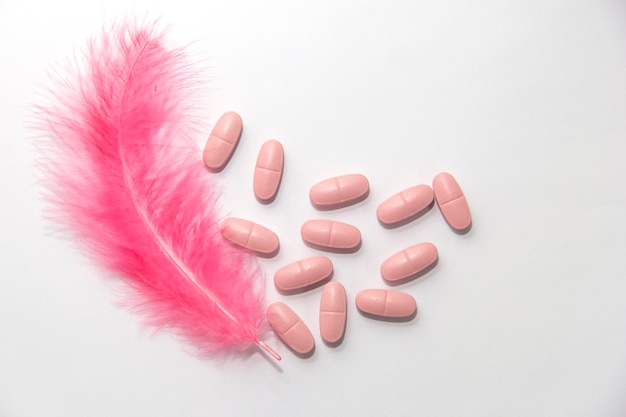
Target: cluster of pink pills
334	236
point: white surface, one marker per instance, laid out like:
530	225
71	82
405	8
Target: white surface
524	101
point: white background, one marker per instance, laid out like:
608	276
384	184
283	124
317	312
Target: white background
523	101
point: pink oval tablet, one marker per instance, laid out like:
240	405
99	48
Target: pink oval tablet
250	236
452	202
405	205
304	274
290	329
268	171
222	141
386	304
339	191
333	313
408	263
331	234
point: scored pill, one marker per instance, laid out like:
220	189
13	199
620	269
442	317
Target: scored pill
304	274
268	171
452	202
339	191
329	234
386	304
250	236
405	206
333	313
290	329
409	263
222	141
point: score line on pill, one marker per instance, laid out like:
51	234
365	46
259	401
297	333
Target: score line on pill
333	313
331	235
268	171
222	141
452	203
303	275
291	329
409	263
405	206
386	305
250	235
341	191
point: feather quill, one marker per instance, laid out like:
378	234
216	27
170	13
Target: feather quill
125	177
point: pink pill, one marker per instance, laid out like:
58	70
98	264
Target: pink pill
331	235
303	275
386	304
409	263
405	206
250	236
268	171
222	141
452	202
333	313
290	329
339	191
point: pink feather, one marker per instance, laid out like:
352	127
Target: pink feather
125	177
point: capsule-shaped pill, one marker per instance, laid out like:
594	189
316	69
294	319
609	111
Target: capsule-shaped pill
222	141
303	275
250	236
386	304
290	329
409	263
405	206
452	202
333	313
339	191
268	171
331	235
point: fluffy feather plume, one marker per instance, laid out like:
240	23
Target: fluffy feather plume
125	177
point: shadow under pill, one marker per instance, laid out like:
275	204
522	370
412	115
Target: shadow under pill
336	344
307	355
267	255
334	250
463	231
307	288
338	206
389	319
